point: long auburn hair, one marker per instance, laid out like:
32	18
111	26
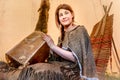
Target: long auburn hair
58	24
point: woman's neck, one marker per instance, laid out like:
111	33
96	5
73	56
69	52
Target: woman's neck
69	28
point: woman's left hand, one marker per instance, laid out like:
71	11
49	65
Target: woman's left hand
48	40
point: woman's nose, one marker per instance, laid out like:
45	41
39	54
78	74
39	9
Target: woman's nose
63	16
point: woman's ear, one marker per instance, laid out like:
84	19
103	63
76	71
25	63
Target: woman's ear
73	16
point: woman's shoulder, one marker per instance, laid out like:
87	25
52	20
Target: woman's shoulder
80	28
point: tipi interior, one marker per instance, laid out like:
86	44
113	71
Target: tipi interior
18	19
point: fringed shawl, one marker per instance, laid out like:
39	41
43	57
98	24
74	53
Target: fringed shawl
42	71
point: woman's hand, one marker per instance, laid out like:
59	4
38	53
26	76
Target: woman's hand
48	40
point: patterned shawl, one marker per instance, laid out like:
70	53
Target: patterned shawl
78	42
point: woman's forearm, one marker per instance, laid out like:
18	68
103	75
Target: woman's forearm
63	53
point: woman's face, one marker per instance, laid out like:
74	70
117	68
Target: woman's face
65	17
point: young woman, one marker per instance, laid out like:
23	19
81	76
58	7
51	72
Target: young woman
74	46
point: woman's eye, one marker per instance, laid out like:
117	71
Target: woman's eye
66	12
60	15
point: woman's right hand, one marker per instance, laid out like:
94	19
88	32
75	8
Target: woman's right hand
48	40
